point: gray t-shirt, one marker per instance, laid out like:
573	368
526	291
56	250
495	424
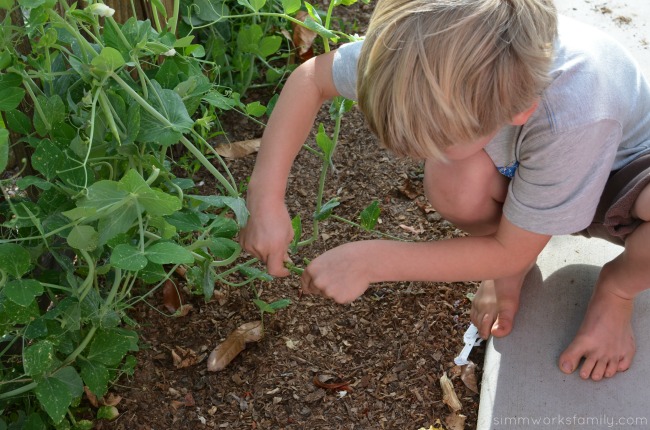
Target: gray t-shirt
592	119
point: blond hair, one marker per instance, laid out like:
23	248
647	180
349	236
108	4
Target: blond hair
434	73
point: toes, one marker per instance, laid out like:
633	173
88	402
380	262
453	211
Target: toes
625	363
599	369
587	367
503	325
485	325
612	368
570	358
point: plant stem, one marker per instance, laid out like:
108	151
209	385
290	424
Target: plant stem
232	190
173	21
84	343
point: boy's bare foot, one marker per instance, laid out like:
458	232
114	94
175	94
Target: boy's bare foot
494	312
605	339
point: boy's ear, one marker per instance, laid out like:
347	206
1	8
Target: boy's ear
522	117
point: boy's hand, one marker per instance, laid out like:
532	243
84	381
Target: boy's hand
267	236
341	274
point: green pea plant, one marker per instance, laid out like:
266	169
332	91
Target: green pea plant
96	211
97	217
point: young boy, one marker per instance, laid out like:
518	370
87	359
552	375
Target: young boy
530	125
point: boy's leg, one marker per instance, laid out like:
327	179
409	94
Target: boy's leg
605	339
470	193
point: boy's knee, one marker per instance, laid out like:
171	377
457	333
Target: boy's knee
466	194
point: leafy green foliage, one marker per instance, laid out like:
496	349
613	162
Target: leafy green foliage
105	215
369	216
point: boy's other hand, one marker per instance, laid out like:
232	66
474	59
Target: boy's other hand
341	274
267	236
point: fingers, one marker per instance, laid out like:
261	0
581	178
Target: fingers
275	264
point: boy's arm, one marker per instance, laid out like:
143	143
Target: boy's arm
345	272
268	232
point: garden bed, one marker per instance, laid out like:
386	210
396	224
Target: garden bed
388	349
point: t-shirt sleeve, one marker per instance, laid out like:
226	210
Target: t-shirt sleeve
344	69
560	178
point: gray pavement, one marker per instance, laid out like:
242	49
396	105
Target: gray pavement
522	386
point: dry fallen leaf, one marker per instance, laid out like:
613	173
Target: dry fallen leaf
409	190
235	343
185	357
343	385
411	230
171	296
238	149
92	398
221	297
455	421
469	377
449	396
303	38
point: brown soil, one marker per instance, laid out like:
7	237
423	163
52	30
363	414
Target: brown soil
389	348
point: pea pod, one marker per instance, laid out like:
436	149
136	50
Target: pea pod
5	59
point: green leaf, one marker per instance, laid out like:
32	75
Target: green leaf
165	229
211	10
249	37
184	41
4	149
219	101
255	109
83	237
223	248
95	376
196	51
291	6
153	201
313	13
128	257
108	60
185	221
254	5
170	105
160	7
370	215
11	312
27	181
54	112
324	142
120	221
103	195
168	253
10	98
263	306
269	45
152	273
18	121
254	273
109	346
237	204
223	227
257	4
39	358
23	291
318	28
326	210
48	158
57	392
14	259
280	304
31	4
296	225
